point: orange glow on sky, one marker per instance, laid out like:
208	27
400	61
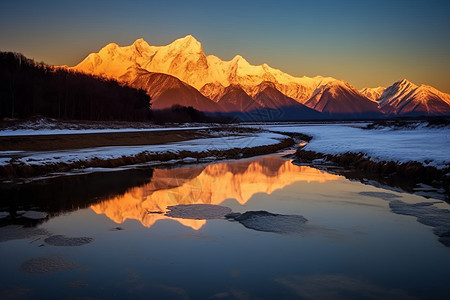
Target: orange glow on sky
366	43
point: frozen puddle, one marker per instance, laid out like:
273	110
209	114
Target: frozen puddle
47	265
61	240
4	214
32	214
198	211
256	220
426	214
269	222
15	232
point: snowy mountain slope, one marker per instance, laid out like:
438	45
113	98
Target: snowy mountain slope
213	90
373	93
393	94
113	61
406	98
339	97
209	75
185	59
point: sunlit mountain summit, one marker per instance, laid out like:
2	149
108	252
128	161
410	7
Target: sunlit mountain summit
181	73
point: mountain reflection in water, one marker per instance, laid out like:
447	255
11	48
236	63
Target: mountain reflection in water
210	184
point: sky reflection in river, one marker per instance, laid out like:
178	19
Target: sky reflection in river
352	244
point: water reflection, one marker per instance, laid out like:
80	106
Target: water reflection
64	194
213	184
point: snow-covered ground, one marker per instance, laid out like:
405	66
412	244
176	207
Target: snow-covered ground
430	146
52	131
196	145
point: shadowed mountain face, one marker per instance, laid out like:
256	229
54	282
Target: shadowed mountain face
268	96
339	98
166	91
281	107
202	81
234	98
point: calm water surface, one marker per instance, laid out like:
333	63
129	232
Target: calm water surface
352	246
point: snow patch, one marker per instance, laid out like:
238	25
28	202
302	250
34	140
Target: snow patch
114	152
423	144
35	215
4	214
52	131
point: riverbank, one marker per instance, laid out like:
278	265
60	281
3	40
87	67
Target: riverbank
410	156
411	176
38	155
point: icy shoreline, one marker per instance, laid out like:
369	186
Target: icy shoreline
406	158
427	146
15	164
53	131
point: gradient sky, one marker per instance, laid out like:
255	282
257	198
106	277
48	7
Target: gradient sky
367	43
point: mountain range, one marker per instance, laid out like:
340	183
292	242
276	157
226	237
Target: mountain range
181	73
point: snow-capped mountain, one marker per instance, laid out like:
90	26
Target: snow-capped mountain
209	83
373	93
406	98
185	59
339	97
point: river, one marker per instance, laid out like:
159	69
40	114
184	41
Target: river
107	236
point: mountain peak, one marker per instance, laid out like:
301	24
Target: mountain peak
140	45
404	82
140	41
240	60
189	38
187	43
111	46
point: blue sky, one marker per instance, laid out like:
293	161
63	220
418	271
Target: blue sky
367	43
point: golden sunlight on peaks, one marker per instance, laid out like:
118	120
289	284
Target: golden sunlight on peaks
212	184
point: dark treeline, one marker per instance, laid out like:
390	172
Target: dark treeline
28	89
182	114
